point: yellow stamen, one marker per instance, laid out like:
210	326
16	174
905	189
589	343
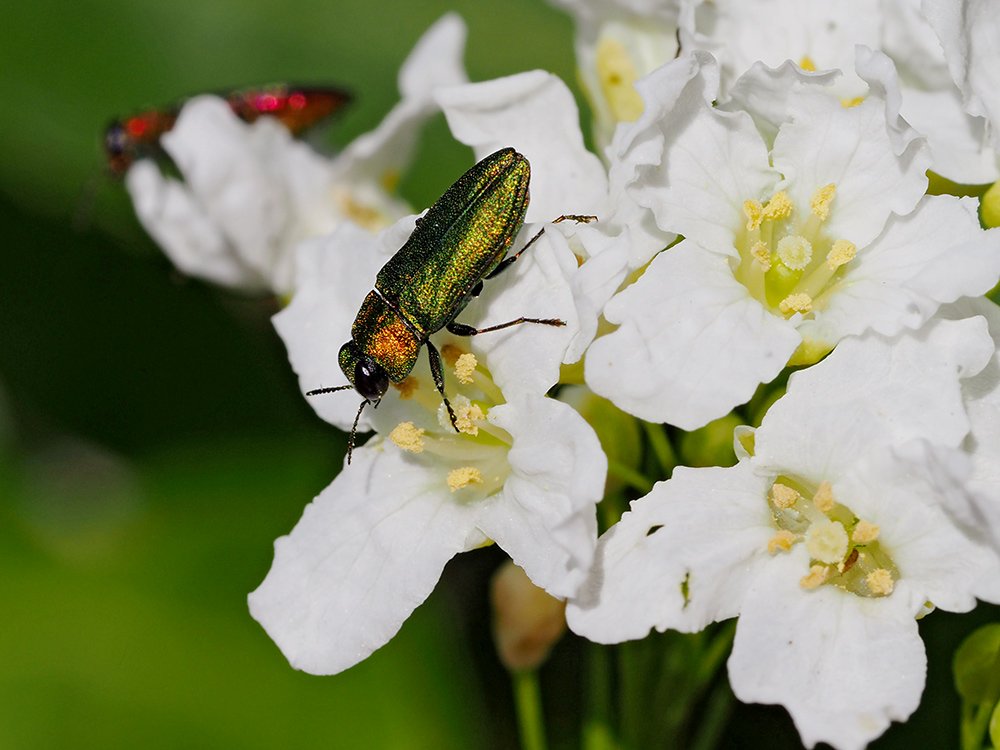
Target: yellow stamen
795	303
408	436
407	386
390	180
795	252
360	214
779	207
780	542
817	576
761	254
865	532
617	75
465	365
754	213
823	499
849	102
467	414
463	477
842	252
827	542
821	200
880	582
784	496
806	63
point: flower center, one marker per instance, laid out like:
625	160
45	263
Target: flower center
473	461
787	262
844	550
617	75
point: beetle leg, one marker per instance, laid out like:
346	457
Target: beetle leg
578	218
506	262
437	372
477	289
460	329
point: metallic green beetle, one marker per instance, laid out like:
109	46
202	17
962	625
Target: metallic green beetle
461	240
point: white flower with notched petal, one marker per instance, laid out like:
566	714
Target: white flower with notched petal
524	470
828	539
251	192
812	228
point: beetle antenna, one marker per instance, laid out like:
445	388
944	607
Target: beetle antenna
319	391
354	431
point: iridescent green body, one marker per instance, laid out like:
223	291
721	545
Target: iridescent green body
461	239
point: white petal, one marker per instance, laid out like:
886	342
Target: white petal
704	529
435	62
265	190
695	165
545	517
873	392
535	113
178	223
969	30
843	666
527	357
937	254
363	556
692	343
336	272
853	149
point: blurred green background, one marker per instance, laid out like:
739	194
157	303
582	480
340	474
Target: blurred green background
153	442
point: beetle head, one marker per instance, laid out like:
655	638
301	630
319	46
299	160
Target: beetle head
369	377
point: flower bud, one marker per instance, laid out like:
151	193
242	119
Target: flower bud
527	622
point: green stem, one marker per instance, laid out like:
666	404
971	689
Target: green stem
528	701
626	474
975	722
597	732
713	720
662	449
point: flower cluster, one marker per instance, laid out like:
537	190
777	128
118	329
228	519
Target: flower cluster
763	205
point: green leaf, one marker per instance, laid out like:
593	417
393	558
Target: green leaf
977	666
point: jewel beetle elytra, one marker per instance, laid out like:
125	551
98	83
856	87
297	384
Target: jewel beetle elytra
461	240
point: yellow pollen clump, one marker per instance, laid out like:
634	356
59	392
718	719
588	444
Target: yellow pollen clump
784	496
360	214
450	354
463	477
407	386
827	542
779	207
823	499
408	436
754	213
617	75
865	532
464	367
842	252
390	180
817	576
849	102
806	63
821	200
795	251
780	542
466	416
796	303
880	582
761	254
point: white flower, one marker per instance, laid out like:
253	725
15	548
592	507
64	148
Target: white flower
788	247
524	471
251	192
617	43
828	538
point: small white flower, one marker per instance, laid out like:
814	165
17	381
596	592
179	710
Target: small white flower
524	470
828	539
251	192
617	43
788	247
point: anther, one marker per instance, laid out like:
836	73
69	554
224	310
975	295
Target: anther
780	542
408	437
821	200
762	254
754	213
865	532
816	578
463	477
465	366
795	303
784	497
407	386
823	499
842	252
806	63
880	582
779	207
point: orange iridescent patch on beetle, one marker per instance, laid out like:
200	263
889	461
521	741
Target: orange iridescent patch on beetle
381	333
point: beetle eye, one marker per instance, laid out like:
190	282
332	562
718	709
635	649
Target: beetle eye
370	380
114	139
